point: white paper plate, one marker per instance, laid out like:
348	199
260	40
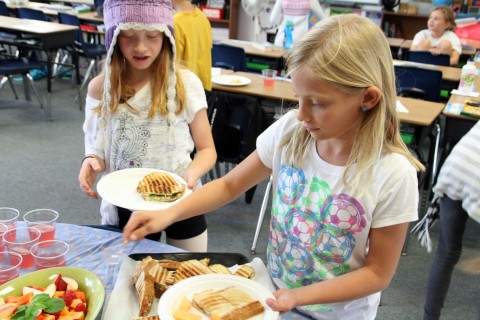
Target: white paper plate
231	80
171	299
120	189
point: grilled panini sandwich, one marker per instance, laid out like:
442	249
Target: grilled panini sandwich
160	186
191	268
210	302
245	306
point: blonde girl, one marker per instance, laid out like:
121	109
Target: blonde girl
345	185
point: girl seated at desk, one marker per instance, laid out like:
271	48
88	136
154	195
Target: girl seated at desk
439	38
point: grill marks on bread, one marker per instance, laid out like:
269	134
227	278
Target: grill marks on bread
160	186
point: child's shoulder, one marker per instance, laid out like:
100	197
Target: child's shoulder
95	87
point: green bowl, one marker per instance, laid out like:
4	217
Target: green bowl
88	282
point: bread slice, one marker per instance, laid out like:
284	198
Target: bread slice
210	302
191	268
145	292
160	186
219	268
245	306
170	264
141	267
245	271
159	275
155	317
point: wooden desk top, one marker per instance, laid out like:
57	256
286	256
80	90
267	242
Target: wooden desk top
33	26
448	73
250	48
52	10
90	16
421	112
395	42
465	42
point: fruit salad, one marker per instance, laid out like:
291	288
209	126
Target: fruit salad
61	300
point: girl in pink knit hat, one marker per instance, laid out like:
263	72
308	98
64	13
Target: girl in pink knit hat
143	111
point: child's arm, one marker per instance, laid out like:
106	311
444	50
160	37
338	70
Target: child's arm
454	57
382	259
205	154
209	197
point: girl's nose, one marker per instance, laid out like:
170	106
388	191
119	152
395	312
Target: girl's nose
302	114
140	46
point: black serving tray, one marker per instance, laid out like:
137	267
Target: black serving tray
225	258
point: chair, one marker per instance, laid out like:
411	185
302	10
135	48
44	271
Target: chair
229	57
424	84
11	67
91	51
428	57
236	121
4	9
419	83
33	14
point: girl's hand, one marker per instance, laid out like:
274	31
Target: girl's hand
142	223
191	176
285	300
91	167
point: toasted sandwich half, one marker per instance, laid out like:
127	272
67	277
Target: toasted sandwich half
160	186
210	303
189	269
245	306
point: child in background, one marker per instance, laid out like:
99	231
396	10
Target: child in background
439	37
193	39
345	185
296	11
145	112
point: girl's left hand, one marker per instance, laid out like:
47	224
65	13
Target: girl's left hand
191	177
285	300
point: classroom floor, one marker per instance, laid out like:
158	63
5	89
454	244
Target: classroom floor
40	160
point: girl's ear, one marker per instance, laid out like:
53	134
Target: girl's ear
371	97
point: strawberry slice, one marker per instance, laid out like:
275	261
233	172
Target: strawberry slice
81	307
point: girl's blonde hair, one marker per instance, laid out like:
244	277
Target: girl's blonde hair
447	14
351	52
121	91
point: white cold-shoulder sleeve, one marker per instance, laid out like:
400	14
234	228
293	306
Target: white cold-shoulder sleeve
90	127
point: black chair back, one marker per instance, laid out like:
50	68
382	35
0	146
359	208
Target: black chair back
33	14
65	18
420	83
229	57
428	57
4	9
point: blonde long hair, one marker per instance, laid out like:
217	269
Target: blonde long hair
351	52
121	91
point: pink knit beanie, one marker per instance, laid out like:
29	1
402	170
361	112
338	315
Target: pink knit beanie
116	12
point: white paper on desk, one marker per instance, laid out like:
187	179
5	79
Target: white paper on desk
467	94
401	107
123	302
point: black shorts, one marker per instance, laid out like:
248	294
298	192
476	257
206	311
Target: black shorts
184	229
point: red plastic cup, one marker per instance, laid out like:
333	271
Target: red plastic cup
25	238
9	217
49	254
44	220
269	77
3	229
9	267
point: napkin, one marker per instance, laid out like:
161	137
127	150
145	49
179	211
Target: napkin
401	107
123	302
467	94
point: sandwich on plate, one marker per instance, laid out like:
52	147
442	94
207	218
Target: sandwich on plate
160	186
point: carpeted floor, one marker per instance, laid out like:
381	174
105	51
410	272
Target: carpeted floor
39	163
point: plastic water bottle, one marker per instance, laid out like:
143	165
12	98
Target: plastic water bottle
467	78
288	36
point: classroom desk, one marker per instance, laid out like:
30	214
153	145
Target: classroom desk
48	9
101	252
465	42
251	49
421	113
51	36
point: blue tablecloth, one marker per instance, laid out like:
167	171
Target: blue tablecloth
101	252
